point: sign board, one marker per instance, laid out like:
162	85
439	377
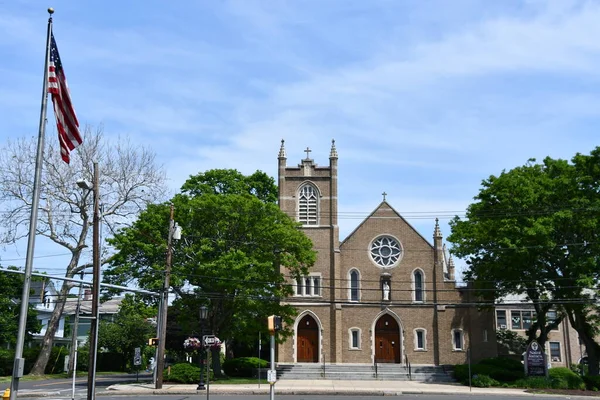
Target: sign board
271	376
209	340
535	360
137	357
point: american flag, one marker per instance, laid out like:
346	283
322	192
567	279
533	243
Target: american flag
66	120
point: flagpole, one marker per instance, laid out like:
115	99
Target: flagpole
19	362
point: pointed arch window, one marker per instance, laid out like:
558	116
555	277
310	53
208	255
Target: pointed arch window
354	285
308	209
418	286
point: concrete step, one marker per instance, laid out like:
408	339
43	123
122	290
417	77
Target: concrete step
398	372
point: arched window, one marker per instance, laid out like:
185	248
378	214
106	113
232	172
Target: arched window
420	339
308	205
419	292
354	285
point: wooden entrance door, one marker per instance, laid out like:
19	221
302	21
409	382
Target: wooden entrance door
387	340
308	340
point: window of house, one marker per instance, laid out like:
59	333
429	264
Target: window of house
552	316
555	352
420	338
457	339
307	205
501	319
316	285
308	286
300	287
521	319
418	283
354	285
355	338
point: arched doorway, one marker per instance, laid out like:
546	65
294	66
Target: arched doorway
387	340
308	340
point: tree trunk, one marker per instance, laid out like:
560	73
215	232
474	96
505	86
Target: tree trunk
578	317
40	364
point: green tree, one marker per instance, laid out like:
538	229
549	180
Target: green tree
235	244
128	330
11	287
533	231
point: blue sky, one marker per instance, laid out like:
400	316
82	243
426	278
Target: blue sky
424	98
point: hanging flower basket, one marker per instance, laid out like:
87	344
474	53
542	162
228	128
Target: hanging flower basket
192	343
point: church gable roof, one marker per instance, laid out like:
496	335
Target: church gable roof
384	210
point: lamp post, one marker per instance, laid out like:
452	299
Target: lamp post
91	384
203	317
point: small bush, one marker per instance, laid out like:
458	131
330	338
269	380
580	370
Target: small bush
564	378
534	382
592	382
243	367
502	371
184	373
484	381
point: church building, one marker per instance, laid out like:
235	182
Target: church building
384	294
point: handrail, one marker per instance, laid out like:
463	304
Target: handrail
375	366
409	367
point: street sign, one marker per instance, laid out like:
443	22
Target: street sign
271	376
137	357
209	340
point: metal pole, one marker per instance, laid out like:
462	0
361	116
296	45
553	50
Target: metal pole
74	370
272	391
202	350
160	362
19	361
74	335
259	349
91	386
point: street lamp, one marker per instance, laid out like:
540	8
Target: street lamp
203	317
93	187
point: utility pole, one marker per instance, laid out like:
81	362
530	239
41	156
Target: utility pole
164	303
71	368
91	386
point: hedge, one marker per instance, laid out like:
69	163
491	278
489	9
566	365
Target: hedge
243	367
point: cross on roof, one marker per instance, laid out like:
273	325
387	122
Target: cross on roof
384	194
307	151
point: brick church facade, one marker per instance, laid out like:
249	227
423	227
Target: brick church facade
384	294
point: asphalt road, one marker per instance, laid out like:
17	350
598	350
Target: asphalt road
302	397
64	387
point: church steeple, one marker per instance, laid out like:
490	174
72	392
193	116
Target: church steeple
333	153
436	232
282	150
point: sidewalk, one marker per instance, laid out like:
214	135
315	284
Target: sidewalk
318	387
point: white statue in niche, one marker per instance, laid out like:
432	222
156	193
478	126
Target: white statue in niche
386	291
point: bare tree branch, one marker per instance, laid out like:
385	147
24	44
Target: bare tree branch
129	180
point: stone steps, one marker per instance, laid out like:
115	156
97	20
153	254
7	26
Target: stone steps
425	373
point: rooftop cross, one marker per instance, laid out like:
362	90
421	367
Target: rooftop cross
384	194
307	151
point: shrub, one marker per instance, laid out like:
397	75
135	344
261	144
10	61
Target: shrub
500	369
534	382
243	367
564	378
484	381
184	373
592	382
